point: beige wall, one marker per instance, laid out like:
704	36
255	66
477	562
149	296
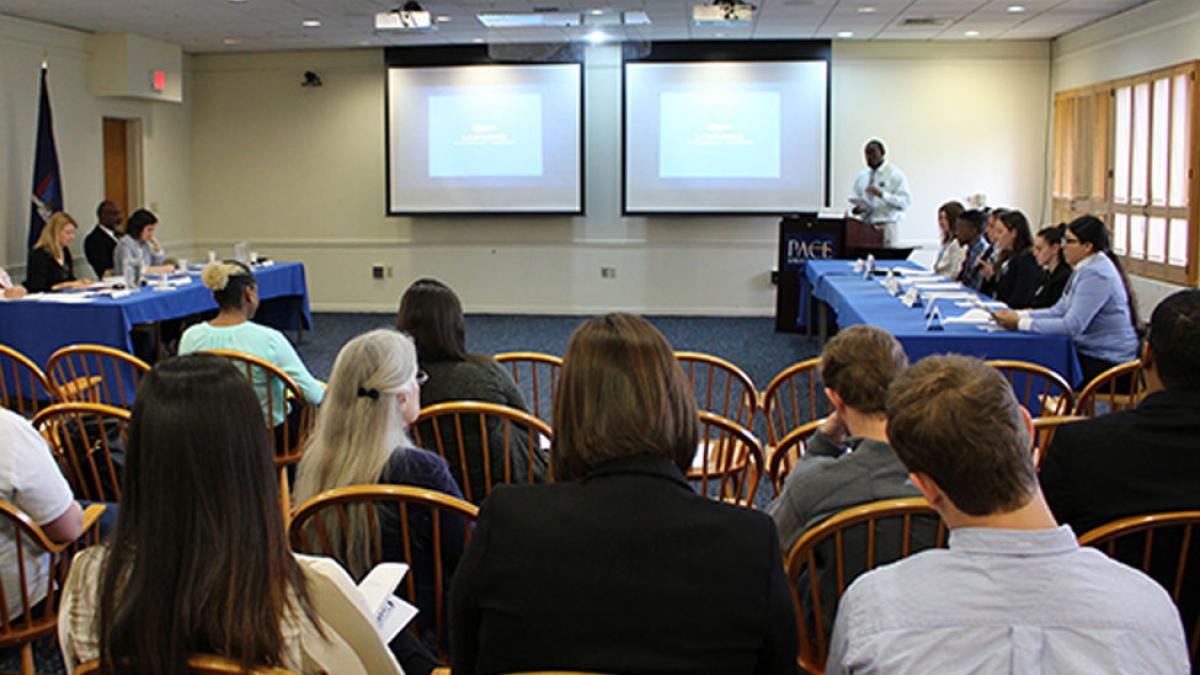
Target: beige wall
77	129
1154	35
299	173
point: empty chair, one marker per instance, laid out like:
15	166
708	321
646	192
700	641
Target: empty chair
794	398
829	556
484	444
1042	391
721	387
38	599
536	374
95	374
426	529
24	388
1164	546
88	440
729	461
1117	388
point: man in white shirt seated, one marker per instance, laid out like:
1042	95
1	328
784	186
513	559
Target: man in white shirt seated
30	480
9	290
880	195
1015	593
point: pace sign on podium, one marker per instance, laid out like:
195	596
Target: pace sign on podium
802	237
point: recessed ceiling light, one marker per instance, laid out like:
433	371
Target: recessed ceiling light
972	33
866	9
1016	9
596	37
364	43
477	40
596	12
846	34
719	35
231	41
311	23
443	18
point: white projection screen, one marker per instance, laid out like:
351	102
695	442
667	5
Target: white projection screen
485	139
725	136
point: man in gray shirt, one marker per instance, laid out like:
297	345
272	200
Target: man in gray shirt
1015	593
848	461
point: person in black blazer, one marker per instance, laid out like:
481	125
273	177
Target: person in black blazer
1144	459
620	566
1047	248
50	266
101	242
1017	281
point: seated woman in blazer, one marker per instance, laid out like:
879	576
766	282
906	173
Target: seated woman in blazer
50	266
1096	309
619	566
1019	273
1047	248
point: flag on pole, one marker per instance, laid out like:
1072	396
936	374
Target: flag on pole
47	182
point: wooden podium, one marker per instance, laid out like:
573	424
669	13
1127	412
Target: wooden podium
861	235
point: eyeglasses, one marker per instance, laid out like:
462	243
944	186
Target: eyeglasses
422	377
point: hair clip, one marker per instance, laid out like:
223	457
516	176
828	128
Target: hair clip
372	394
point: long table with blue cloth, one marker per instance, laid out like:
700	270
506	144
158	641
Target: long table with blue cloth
855	300
39	325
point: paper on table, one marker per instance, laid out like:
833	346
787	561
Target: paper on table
972	316
951	295
938	285
65	298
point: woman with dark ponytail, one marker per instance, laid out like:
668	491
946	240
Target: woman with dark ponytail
1097	307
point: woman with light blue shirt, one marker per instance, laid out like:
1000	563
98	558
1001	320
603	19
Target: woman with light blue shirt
139	245
236	293
1097	308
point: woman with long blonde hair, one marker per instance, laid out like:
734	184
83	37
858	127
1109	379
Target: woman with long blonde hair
362	438
50	266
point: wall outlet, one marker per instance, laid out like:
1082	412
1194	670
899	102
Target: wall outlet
608	273
377	271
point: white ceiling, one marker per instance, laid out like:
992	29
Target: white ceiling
268	25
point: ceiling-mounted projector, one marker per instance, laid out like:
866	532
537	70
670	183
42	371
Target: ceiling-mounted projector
409	17
723	12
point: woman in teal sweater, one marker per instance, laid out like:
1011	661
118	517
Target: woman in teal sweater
236	293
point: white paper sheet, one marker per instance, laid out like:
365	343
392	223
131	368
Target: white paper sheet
980	316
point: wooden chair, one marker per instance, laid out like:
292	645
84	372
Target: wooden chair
1120	387
721	387
319	527
1165	547
861	525
729	461
24	388
1043	433
537	375
95	374
201	664
1042	391
38	598
268	379
463	433
793	399
793	446
88	440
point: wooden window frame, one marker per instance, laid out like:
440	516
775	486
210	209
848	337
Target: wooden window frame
1084	176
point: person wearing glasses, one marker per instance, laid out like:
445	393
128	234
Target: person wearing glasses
1097	308
361	438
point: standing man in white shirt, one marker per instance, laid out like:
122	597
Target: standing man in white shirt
880	195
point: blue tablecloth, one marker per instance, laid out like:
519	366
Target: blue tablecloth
38	329
855	300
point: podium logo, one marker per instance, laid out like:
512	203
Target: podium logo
800	249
